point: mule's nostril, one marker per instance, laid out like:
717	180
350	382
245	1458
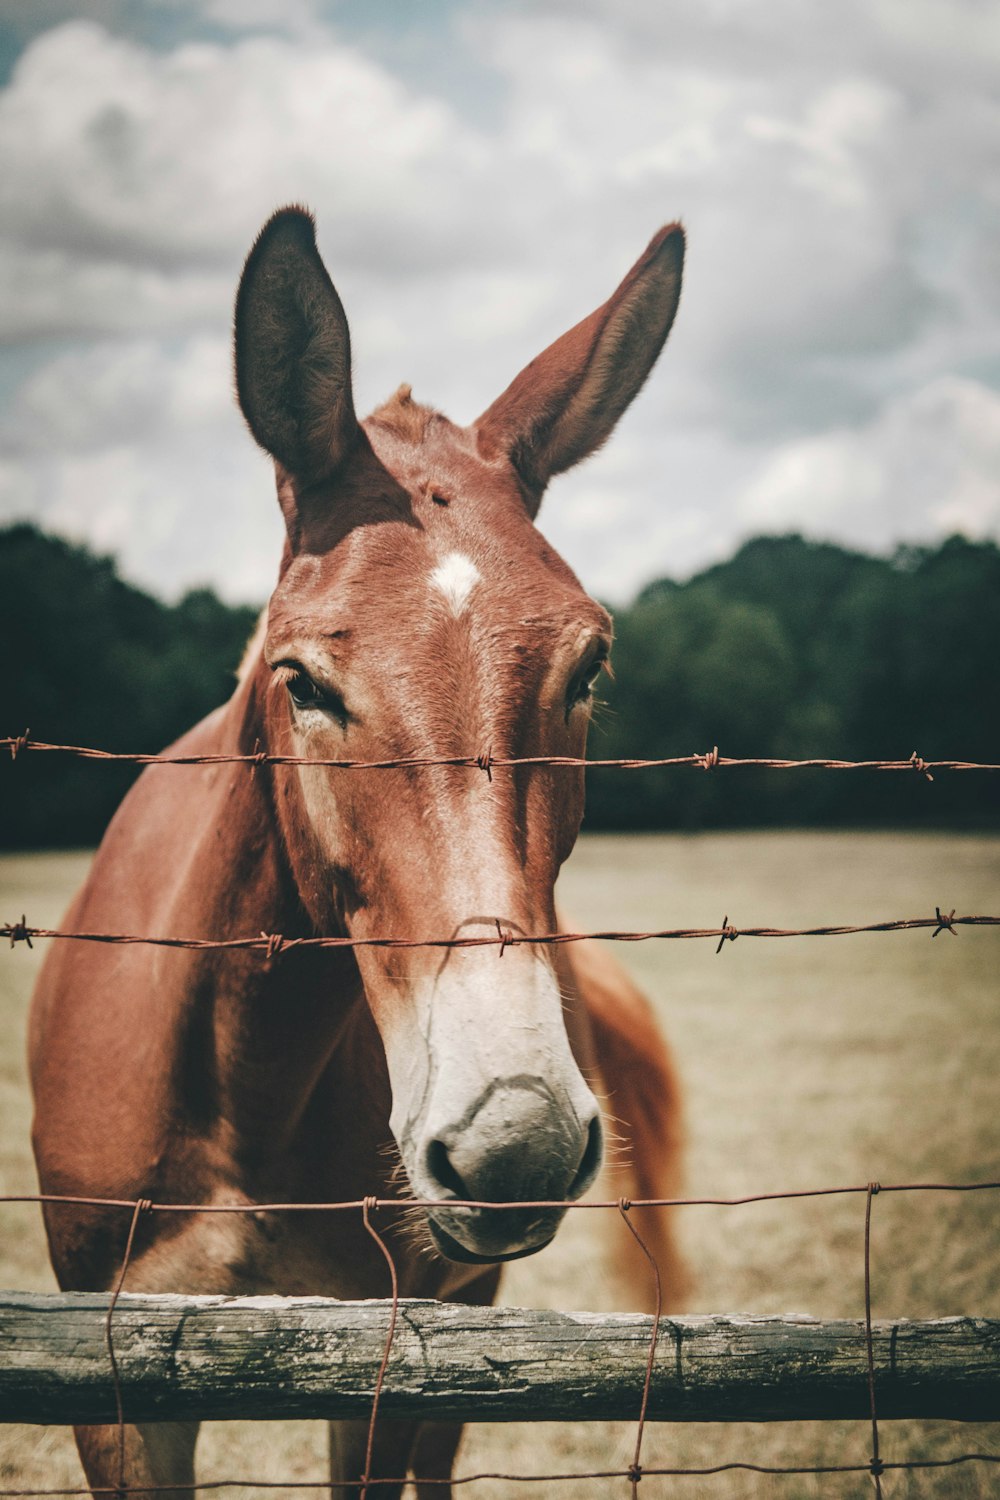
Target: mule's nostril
442	1172
590	1162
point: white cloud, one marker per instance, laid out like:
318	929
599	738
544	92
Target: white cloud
834	165
121	390
928	464
53	291
299	18
141	451
168	163
784	184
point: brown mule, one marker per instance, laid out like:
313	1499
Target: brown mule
418	612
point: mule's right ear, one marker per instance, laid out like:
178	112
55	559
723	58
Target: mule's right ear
565	403
293	351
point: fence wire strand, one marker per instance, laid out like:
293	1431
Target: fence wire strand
635	1469
142	1205
273	944
651	1472
358	1204
709	760
367	1209
876	1463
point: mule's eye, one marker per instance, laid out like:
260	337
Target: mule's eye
303	691
583	684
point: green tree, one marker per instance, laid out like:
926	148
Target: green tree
96	662
801	649
790	649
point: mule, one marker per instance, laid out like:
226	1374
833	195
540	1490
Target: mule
418	613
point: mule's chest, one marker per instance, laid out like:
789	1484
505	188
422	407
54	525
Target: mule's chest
290	1252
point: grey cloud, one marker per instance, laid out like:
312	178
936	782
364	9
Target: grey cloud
815	170
118	392
945	42
54	294
133	162
834	165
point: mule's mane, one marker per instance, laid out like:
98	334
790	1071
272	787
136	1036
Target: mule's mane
404	416
253	648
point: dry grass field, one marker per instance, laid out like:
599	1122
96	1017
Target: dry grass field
807	1062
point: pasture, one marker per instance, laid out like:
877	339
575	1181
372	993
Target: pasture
806	1062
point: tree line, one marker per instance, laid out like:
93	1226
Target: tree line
798	649
791	648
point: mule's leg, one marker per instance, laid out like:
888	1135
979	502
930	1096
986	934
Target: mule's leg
157	1454
425	1449
428	1449
437	1443
434	1457
390	1456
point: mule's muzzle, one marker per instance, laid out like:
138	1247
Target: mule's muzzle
523	1227
518	1148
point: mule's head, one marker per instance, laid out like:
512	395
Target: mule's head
421	614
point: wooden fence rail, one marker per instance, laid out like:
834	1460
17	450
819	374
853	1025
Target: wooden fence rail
271	1357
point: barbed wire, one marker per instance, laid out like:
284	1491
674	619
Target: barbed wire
709	760
273	944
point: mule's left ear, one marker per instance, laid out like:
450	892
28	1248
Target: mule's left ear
293	351
566	402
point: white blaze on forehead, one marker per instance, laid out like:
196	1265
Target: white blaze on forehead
455	577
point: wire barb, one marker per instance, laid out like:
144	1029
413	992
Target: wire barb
275	943
944	924
727	935
485	763
920	765
18	742
710	760
18	932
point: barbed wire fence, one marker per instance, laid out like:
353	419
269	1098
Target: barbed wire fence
272	945
709	760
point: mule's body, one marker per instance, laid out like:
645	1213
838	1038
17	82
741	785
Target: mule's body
418	613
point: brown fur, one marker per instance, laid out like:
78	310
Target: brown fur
211	1076
644	1103
404	417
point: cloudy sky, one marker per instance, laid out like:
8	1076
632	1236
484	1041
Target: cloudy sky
482	174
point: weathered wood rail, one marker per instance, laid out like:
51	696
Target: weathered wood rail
271	1357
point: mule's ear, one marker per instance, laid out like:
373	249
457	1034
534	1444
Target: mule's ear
566	402
293	351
